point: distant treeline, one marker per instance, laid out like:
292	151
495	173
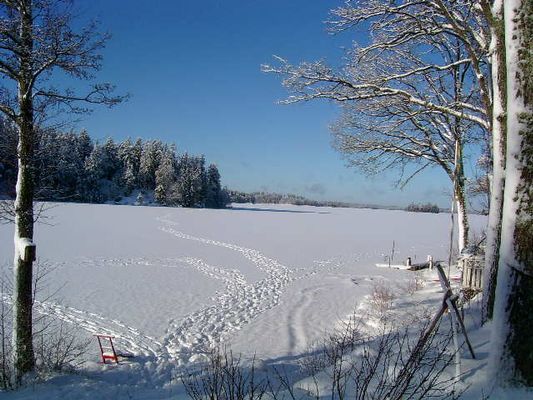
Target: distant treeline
277	198
427	208
74	167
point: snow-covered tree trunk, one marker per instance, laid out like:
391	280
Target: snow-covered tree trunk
22	285
460	198
498	132
512	342
36	42
462	219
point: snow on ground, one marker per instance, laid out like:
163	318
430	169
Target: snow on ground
170	282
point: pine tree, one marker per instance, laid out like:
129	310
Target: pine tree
190	188
85	145
93	174
126	155
214	194
69	165
84	150
8	157
165	177
110	163
149	162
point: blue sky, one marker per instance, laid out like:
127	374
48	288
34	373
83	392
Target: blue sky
193	70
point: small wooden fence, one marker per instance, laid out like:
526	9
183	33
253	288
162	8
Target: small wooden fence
472	272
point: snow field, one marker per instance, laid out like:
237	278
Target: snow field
170	284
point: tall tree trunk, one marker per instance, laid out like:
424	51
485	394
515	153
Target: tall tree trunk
23	269
497	179
460	199
462	218
512	342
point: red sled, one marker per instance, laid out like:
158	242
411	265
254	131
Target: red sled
107	349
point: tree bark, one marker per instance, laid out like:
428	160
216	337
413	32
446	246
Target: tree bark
24	361
460	199
462	218
497	179
512	341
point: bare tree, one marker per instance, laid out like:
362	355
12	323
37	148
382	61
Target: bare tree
418	93
36	41
478	27
390	133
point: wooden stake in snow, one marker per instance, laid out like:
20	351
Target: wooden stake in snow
391	258
445	284
448	303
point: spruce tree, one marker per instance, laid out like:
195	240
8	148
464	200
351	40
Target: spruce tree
164	179
214	195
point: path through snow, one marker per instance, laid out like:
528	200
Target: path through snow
238	305
188	337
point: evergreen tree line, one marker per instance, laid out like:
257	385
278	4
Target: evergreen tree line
73	167
278	198
236	196
427	208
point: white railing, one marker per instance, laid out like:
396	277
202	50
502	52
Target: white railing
472	272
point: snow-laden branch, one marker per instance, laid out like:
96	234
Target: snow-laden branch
425	23
310	81
55	46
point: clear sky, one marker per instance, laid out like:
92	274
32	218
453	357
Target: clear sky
193	70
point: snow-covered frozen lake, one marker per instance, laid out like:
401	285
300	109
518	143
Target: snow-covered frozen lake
269	280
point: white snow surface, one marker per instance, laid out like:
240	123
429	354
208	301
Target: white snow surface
169	283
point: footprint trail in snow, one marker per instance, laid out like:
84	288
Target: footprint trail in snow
238	305
189	337
125	336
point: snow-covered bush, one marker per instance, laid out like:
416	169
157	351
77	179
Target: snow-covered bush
140	199
381	298
414	284
393	363
57	346
225	377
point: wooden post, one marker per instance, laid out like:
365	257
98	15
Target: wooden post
401	379
445	284
391	257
